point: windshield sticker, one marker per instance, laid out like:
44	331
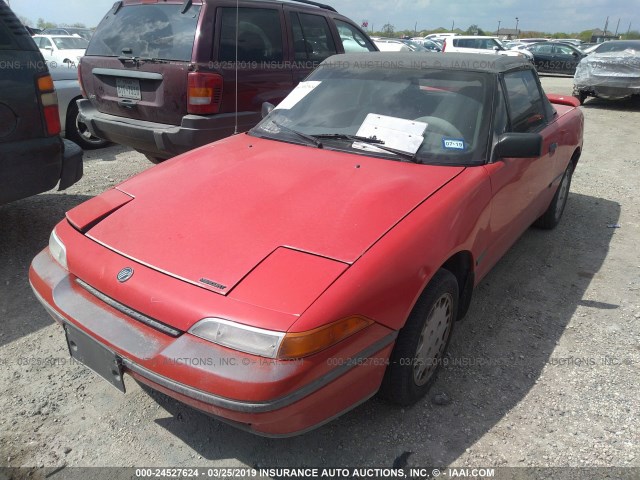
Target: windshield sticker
397	133
453	143
302	90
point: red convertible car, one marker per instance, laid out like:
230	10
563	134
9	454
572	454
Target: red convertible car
277	279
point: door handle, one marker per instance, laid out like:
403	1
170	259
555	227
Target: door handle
553	147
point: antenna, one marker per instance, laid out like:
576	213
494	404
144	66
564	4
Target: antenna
235	128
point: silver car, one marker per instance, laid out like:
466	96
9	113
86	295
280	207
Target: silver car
65	79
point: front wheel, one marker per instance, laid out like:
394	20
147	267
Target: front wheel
553	214
422	342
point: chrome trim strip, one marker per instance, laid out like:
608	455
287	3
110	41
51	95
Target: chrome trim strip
113	72
174	332
260	407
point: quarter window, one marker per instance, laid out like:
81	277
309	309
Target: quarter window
353	40
525	101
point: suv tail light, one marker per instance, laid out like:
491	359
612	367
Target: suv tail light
444	45
204	93
49	102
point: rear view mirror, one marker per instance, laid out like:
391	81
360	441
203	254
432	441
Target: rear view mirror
519	145
267	108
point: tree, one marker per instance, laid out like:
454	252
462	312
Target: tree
44	25
24	20
474	30
76	25
388	29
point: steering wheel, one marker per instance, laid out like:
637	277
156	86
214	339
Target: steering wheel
440	126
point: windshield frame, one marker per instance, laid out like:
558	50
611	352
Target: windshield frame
426	154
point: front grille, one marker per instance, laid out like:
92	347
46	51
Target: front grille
151	322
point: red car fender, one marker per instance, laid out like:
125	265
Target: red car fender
399	266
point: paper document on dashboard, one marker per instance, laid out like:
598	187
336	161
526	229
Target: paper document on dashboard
397	133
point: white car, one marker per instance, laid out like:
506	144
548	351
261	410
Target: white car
61	49
481	44
391	45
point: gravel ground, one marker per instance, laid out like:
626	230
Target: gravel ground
543	372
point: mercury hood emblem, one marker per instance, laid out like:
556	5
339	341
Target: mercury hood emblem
125	274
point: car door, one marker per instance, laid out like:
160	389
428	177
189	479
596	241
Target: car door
521	187
543	57
566	59
46	47
311	40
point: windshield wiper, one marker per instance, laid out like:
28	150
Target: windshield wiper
140	60
355	138
309	138
376	142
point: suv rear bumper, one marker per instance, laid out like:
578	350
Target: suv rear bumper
37	165
159	139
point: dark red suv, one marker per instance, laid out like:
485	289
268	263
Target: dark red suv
161	76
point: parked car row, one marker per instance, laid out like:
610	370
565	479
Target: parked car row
319	292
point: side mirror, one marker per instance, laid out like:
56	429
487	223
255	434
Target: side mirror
267	108
519	145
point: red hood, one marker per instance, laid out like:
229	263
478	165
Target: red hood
217	212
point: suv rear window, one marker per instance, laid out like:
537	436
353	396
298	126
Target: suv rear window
150	31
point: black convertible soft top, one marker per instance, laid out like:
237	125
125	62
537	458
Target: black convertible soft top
478	62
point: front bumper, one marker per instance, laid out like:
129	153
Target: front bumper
275	398
159	139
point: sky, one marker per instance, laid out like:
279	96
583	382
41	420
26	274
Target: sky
542	15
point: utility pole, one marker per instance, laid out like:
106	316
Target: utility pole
517	20
498	32
415	30
452	25
628	30
617	28
606	24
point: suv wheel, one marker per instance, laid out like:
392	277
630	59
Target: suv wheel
78	132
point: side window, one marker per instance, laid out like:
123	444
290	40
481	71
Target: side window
259	35
6	42
501	118
353	40
311	37
525	101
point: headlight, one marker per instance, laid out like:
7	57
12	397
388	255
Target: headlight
257	341
57	249
267	343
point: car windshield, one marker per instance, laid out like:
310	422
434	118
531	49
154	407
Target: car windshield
430	115
415	46
148	31
70	43
618	46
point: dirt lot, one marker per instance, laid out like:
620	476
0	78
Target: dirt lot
543	372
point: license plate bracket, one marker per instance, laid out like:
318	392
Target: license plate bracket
128	88
95	356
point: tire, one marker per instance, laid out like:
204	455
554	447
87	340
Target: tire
422	342
581	96
551	218
78	132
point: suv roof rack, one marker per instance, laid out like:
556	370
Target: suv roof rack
316	4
